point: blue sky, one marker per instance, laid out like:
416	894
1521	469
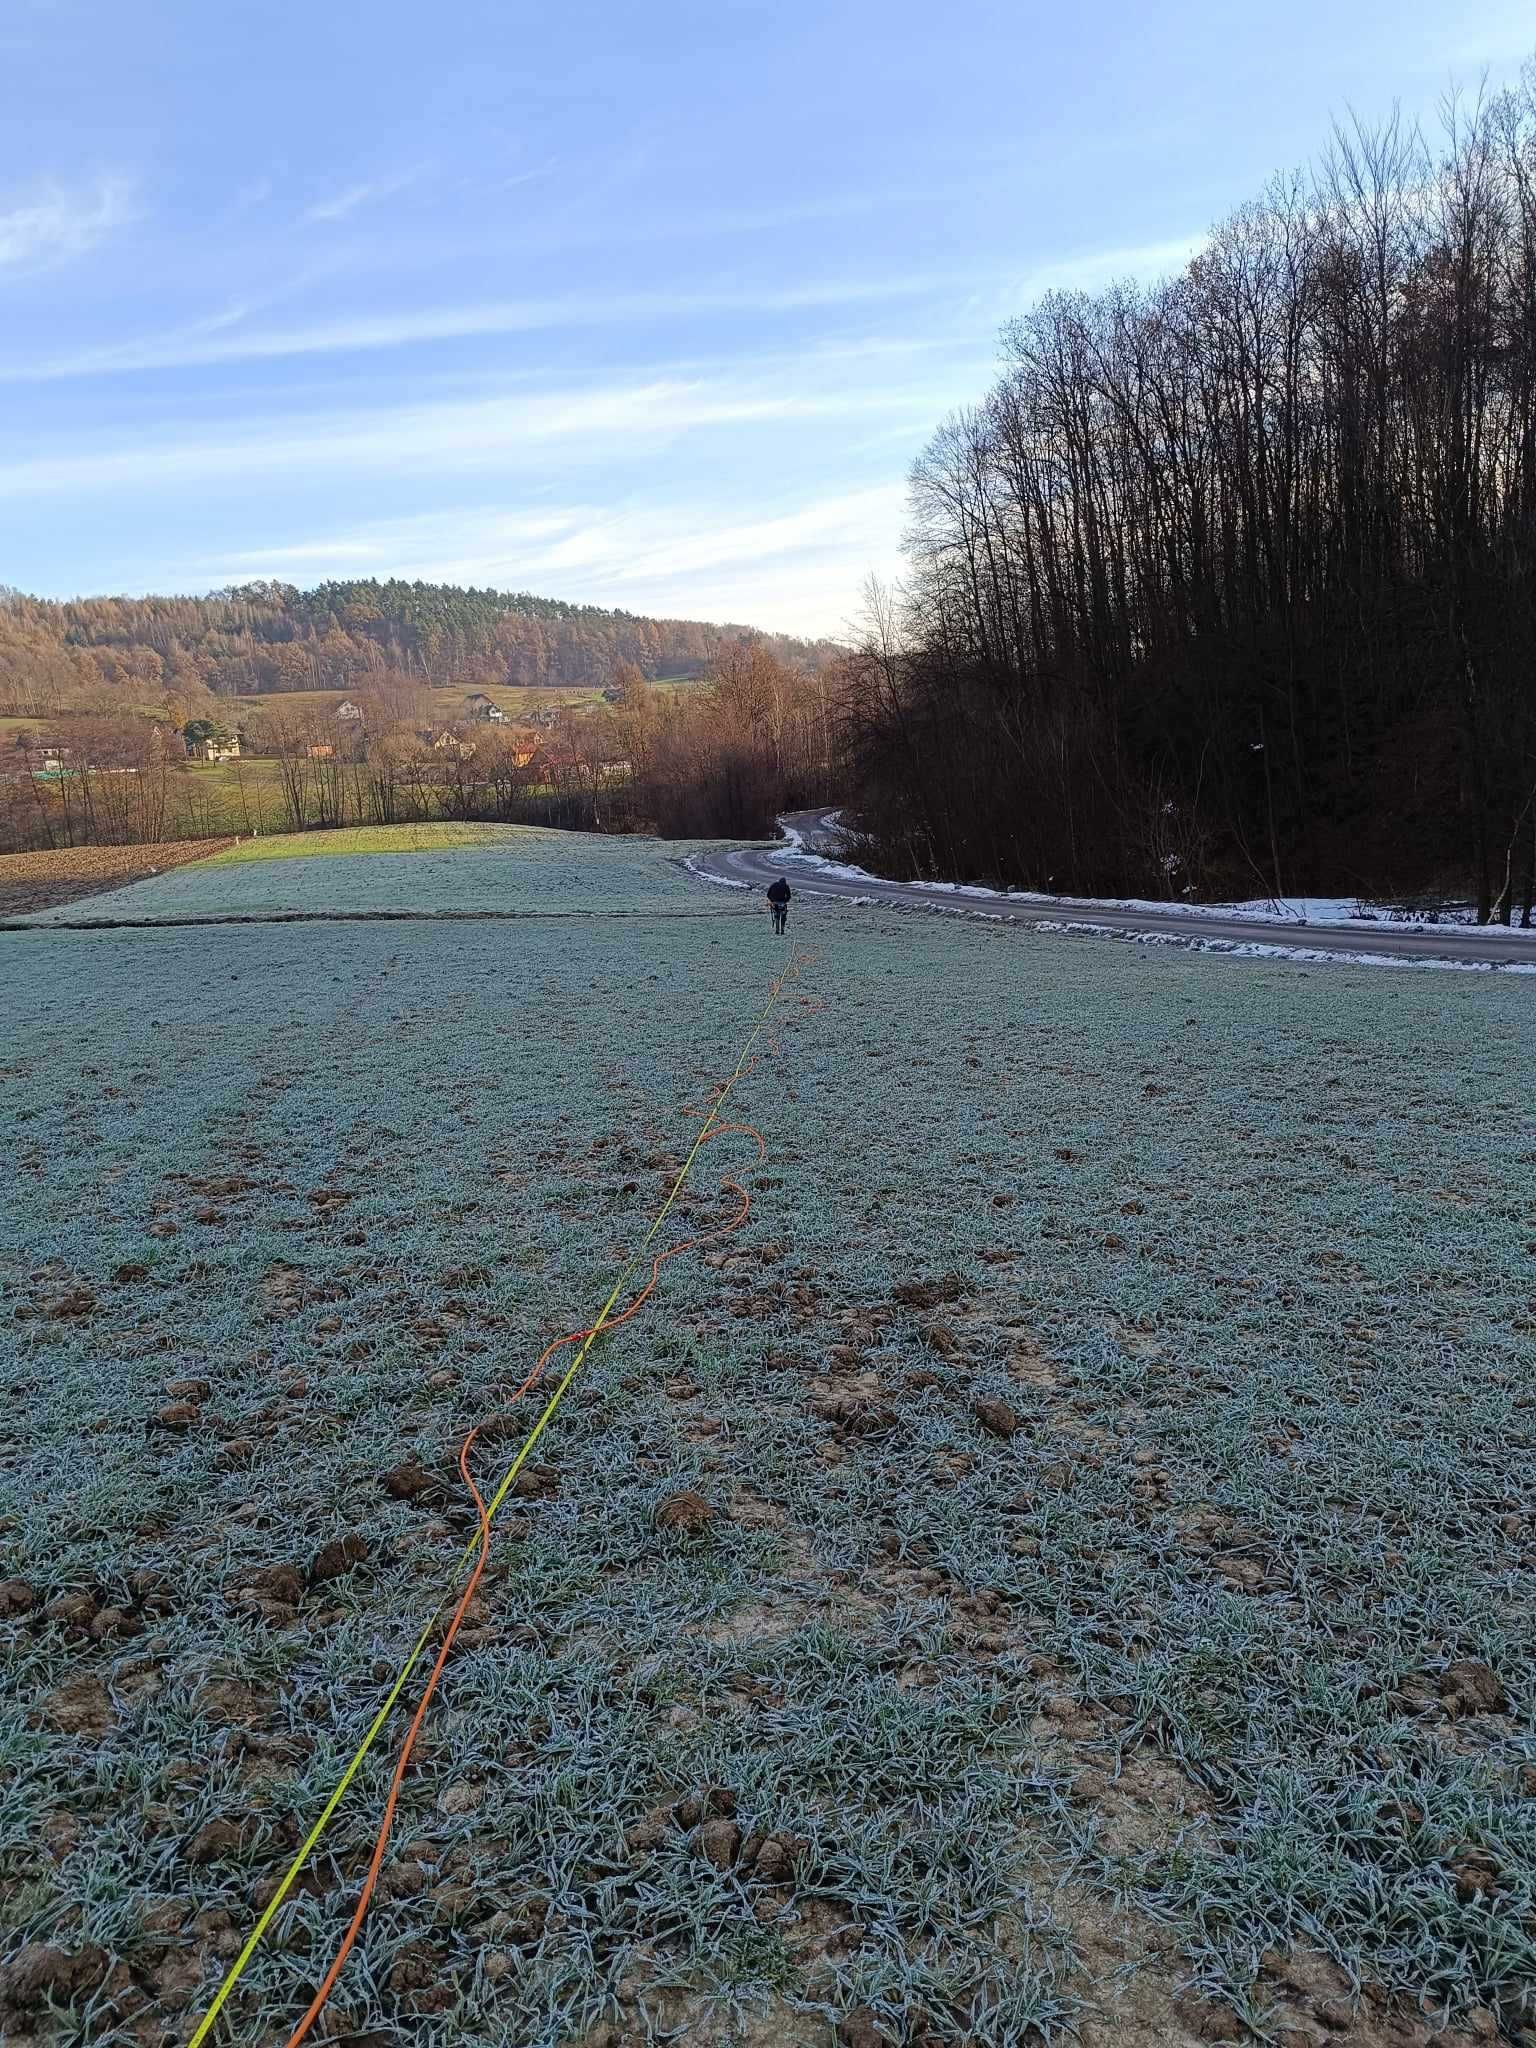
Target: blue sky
636	304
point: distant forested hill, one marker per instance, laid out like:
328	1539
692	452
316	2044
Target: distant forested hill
106	653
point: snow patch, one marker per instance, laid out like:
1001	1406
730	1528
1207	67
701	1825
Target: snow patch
1298	911
818	864
690	862
1237	949
1331	912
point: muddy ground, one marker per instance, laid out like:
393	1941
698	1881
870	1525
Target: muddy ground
30	882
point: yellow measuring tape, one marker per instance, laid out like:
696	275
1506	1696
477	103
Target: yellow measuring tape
302	1854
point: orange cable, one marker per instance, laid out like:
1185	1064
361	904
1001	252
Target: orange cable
485	1512
381	1843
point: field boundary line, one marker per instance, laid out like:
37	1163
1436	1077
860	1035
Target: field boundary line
174	924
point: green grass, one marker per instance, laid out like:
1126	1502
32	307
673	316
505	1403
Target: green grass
425	838
215	797
1245	1247
446	702
46	722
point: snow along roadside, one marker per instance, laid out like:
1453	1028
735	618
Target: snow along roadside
1300	912
699	874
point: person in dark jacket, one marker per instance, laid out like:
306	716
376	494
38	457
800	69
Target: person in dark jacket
778	896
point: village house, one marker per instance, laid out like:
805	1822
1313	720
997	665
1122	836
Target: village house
563	763
214	749
348	713
477	705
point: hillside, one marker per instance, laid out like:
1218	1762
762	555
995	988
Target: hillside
107	655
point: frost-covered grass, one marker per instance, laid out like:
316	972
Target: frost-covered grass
420	868
1245	1250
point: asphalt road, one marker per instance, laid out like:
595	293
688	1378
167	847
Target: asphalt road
757	866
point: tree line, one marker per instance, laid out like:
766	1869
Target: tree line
755	735
105	654
1228	585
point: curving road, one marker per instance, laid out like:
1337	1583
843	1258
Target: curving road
757	866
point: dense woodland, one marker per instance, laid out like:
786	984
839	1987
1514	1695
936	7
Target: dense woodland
109	654
1229	585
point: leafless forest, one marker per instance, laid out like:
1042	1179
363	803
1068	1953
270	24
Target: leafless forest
1227	584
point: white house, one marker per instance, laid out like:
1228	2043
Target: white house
478	705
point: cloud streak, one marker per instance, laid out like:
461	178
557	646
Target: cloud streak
198	346
796	568
55	223
447	438
366	192
205	344
1090	270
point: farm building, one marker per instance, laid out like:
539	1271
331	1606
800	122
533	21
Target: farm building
477	705
214	749
348	713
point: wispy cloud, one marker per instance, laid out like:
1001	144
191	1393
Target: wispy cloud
1087	270
532	176
423	536
795	568
195	346
364	193
1080	270
53	222
452	437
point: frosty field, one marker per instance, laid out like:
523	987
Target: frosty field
427	868
1114	1617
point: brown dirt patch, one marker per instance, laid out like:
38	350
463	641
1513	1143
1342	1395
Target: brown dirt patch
688	1513
82	1707
1133	1982
38	881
